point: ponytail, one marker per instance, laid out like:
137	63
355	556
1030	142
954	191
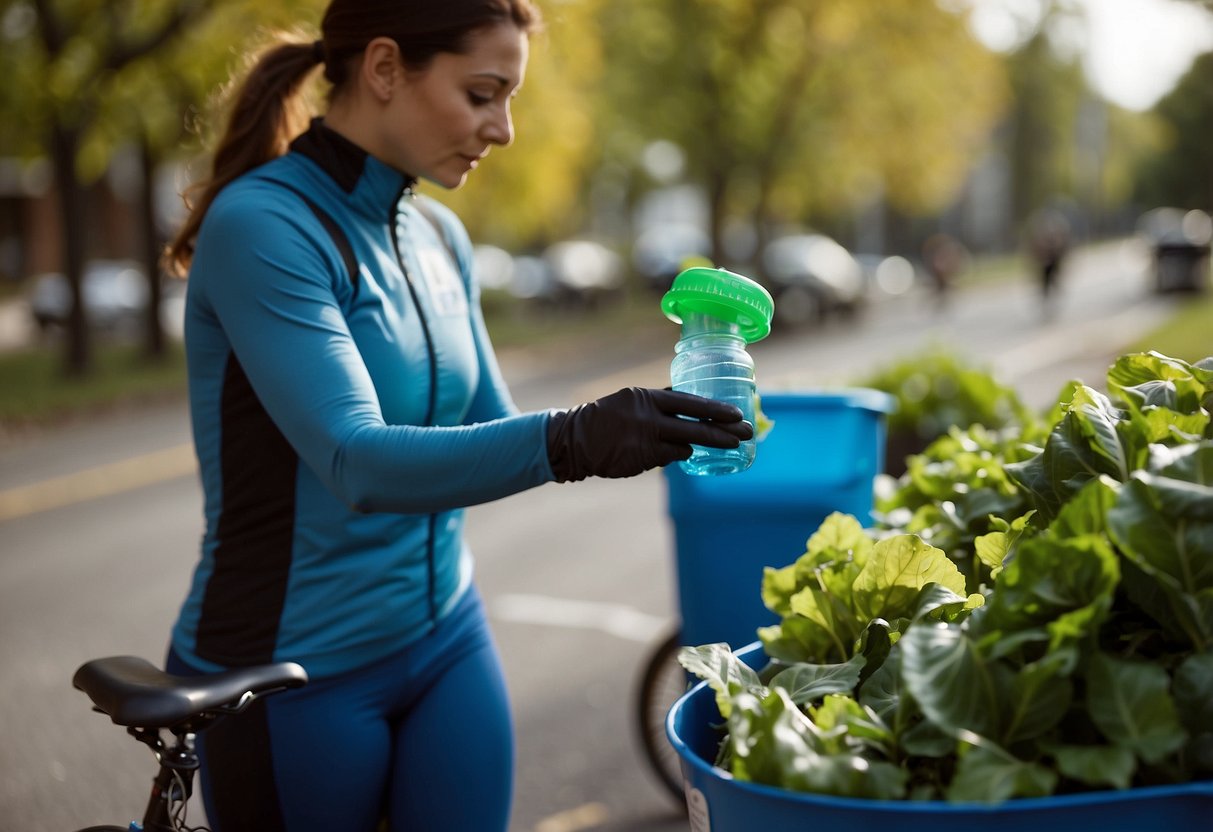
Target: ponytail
267	112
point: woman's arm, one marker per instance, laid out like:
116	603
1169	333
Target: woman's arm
265	270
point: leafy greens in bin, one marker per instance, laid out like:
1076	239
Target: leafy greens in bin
1032	614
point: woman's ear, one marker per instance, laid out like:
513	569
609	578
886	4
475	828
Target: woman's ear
381	68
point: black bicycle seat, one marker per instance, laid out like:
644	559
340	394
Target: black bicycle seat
134	692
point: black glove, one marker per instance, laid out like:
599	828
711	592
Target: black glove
629	432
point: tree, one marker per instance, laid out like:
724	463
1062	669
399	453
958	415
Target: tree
536	190
1041	139
1180	173
86	77
82	43
155	104
794	110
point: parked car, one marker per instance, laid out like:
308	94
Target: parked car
811	277
1180	244
494	267
888	275
660	253
114	292
586	271
532	280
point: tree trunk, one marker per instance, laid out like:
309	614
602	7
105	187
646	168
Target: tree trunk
154	345
64	143
718	185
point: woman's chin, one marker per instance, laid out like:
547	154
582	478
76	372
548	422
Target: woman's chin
451	182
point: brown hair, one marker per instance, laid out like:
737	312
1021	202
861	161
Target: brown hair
267	112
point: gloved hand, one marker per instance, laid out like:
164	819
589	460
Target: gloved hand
635	429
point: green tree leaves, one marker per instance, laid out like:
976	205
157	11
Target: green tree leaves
784	107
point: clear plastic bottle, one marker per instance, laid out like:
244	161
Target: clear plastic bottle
720	312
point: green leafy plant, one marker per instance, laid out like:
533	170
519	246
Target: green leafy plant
936	392
1062	644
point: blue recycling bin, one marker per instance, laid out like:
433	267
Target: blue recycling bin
822	456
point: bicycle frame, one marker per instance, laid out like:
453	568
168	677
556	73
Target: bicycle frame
174	783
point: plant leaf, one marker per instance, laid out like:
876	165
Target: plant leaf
839	537
874	646
938	603
956	687
1049	579
1095	765
985	775
1159	526
882	691
1083	445
774	743
1193	692
809	682
1130	704
833	627
1040	697
1087	511
846	725
1191	382
897	569
721	669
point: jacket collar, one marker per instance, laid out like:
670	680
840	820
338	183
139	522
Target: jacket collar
372	185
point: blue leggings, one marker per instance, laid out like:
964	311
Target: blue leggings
423	737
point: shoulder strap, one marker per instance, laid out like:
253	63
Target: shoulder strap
330	225
343	243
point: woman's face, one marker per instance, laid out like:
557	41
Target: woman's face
445	119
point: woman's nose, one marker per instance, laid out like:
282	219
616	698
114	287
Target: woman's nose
500	128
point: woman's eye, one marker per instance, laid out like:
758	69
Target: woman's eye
479	99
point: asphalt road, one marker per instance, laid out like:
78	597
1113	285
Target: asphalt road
99	523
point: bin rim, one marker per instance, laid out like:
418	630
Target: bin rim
753	653
864	398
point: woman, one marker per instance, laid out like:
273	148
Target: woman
346	405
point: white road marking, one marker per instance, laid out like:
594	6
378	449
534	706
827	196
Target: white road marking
614	619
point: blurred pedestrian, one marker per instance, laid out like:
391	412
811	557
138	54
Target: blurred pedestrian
347	405
1048	243
945	258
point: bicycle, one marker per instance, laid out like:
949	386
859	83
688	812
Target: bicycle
661	682
145	700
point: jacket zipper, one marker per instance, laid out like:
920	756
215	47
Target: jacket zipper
393	221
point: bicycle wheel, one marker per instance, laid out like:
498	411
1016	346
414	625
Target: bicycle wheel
661	683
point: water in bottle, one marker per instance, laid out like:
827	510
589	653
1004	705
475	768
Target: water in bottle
720	313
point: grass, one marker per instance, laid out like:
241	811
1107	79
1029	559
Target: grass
35	391
515	323
1187	335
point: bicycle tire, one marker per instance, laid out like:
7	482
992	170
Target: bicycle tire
662	682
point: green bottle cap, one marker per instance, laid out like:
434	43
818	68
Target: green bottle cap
724	295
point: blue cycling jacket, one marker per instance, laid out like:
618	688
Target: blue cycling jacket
340	425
